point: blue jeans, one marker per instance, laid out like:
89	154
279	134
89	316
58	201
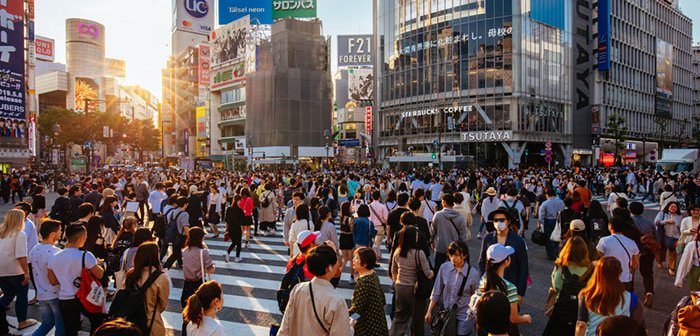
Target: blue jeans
50	316
551	247
12	286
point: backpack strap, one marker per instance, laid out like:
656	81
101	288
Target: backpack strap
151	279
623	246
376	215
313	303
464	281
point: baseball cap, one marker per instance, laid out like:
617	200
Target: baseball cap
306	237
497	252
577	225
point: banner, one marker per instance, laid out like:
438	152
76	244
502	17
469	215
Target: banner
603	35
87	92
664	77
12	95
293	8
204	65
228	75
368	119
258	11
196	16
116	67
355	50
360	84
229	42
44	48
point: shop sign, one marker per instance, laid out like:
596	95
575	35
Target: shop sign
456	39
228	75
427	112
487	136
12	90
293	8
368	118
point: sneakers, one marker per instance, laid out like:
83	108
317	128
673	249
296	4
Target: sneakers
226	258
648	299
238	259
246	244
478	235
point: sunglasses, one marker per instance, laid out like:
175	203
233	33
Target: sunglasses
499	220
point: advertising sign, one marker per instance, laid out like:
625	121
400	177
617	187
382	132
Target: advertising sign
30	9
259	11
227	75
349	142
12	60
360	84
293	8
664	77
115	67
368	119
487	136
44	48
204	65
229	41
30	30
196	16
603	35
201	115
355	50
186	150
87	92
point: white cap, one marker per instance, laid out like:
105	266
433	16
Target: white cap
497	252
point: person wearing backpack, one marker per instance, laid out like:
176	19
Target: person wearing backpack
570	275
448	225
65	270
146	292
516	208
378	216
200	313
268	210
297	270
175	230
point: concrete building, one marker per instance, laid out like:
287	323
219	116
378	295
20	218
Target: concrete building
289	116
696	95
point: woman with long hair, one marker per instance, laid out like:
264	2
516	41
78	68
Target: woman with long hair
596	222
108	212
246	204
141	236
200	313
214	205
689	226
301	223
347	241
368	298
408	260
573	266
195	256
605	296
95	242
234	219
668	224
147	267
14	269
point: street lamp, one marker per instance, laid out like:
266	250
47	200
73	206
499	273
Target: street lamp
249	144
327	137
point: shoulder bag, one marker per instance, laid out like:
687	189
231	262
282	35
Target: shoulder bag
201	264
313	304
539	237
444	323
556	233
423	286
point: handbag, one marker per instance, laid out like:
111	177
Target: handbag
201	264
444	323
650	243
423	286
539	237
90	293
120	275
549	303
556	233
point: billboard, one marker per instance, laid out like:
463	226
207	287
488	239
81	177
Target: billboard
229	42
87	92
196	16
293	8
603	35
12	99
368	119
204	65
355	50
360	84
44	48
115	67
258	11
227	75
664	77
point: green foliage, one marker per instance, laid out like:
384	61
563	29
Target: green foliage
617	129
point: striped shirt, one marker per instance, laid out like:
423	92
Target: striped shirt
511	290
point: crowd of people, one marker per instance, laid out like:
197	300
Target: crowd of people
113	234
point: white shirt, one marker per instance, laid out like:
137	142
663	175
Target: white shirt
39	257
155	199
12	247
609	246
298	226
30	231
67	265
208	327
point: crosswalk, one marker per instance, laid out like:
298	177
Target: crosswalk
648	205
249	287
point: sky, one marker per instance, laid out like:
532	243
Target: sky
138	31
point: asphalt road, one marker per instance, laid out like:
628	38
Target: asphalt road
540	270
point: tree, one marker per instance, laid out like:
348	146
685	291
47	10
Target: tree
144	136
661	131
696	131
617	130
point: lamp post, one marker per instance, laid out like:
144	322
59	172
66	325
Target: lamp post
327	137
249	144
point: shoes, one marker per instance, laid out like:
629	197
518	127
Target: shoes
238	259
216	236
660	266
671	273
226	258
478	235
648	299
246	244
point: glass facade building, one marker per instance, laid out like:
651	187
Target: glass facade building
472	80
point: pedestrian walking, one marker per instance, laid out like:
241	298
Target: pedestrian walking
234	220
368	298
667	232
197	265
202	307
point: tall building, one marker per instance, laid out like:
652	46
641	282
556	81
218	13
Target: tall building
528	82
696	95
643	74
289	114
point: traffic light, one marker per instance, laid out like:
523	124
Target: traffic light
434	156
527	152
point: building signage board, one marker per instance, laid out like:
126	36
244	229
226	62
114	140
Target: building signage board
603	35
664	77
195	16
349	142
228	75
454	40
116	67
12	95
426	112
258	11
487	136
204	65
229	42
44	48
30	30
355	50
360	84
368	119
293	8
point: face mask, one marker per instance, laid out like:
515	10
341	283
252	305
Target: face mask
501	226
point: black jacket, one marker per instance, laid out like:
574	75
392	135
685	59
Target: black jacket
234	217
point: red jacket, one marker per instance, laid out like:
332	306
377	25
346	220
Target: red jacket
299	258
247	206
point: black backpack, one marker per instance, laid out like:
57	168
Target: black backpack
158	228
130	304
566	306
513	213
266	201
171	231
294	276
